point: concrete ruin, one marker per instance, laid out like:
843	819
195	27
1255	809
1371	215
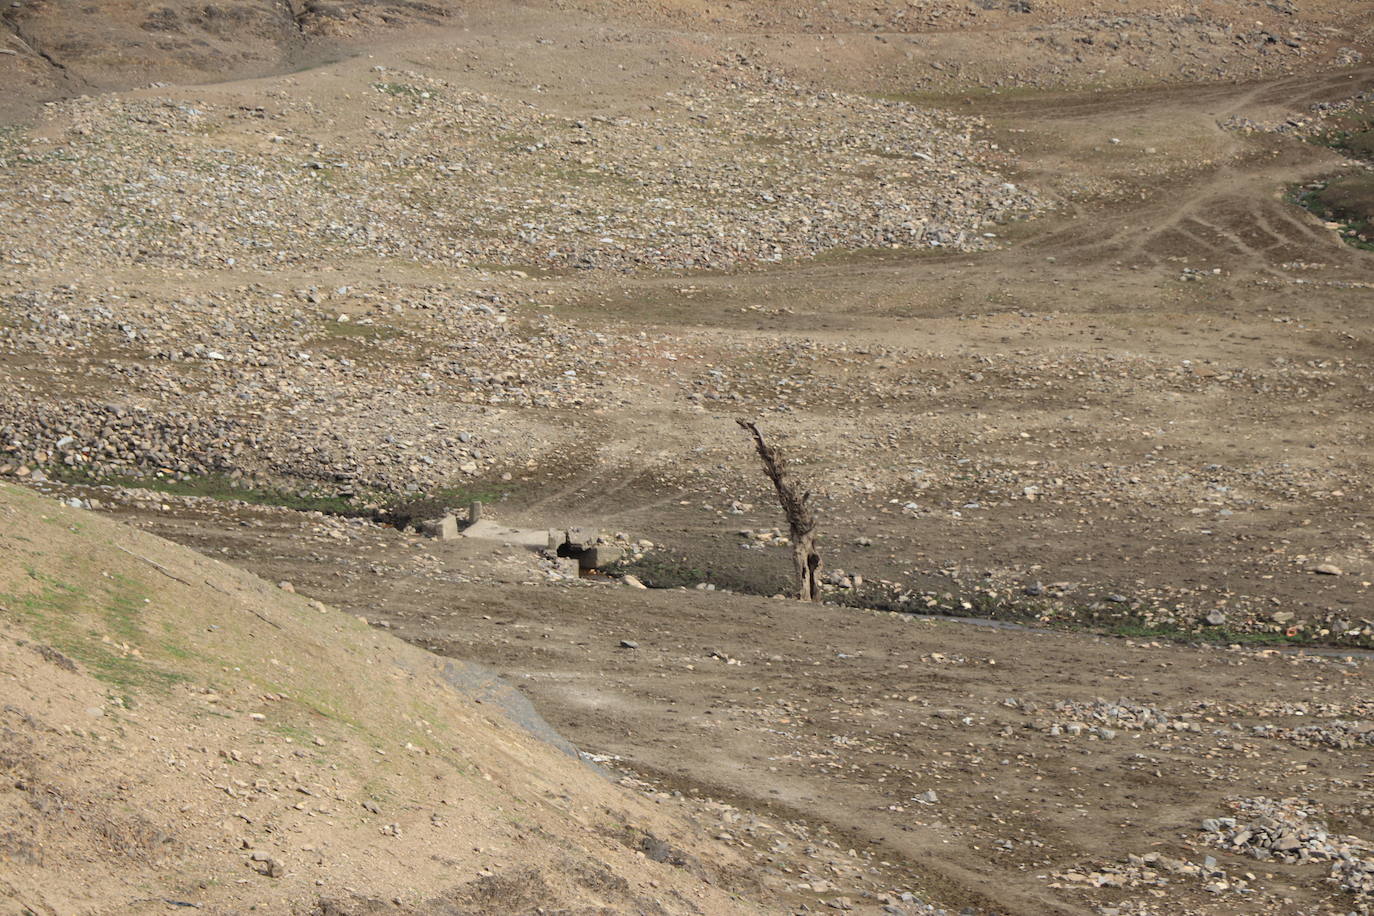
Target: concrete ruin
578	550
444	529
586	547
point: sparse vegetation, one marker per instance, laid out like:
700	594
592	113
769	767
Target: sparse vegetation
223	487
1348	201
63	615
661	570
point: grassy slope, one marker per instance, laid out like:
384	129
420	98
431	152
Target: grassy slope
186	715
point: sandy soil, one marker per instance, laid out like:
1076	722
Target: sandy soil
180	734
1143	411
846	719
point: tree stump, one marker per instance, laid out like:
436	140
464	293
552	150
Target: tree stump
801	522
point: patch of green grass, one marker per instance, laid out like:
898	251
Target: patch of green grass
433	715
124	609
661	569
328	705
378	791
1355	143
1359	143
222	487
878	597
1350	132
75	622
1128	619
1225	635
179	652
172	648
295	733
1349	201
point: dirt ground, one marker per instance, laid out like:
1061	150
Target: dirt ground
178	734
846	719
1158	390
1143	410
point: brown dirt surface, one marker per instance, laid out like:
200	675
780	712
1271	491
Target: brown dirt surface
55	48
179	733
176	728
1038	299
1058	762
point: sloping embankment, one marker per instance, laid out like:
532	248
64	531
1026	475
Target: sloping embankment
176	731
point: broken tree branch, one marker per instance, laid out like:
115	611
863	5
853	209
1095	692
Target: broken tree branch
796	506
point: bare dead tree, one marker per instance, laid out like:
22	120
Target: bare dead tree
796	505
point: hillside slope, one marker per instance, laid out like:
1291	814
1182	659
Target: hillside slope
53	48
178	732
59	48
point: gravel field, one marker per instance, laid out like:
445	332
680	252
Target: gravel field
1035	297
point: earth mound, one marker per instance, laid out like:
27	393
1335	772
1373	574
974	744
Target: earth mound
180	733
54	48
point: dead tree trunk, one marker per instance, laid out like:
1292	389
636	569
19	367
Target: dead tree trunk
796	505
